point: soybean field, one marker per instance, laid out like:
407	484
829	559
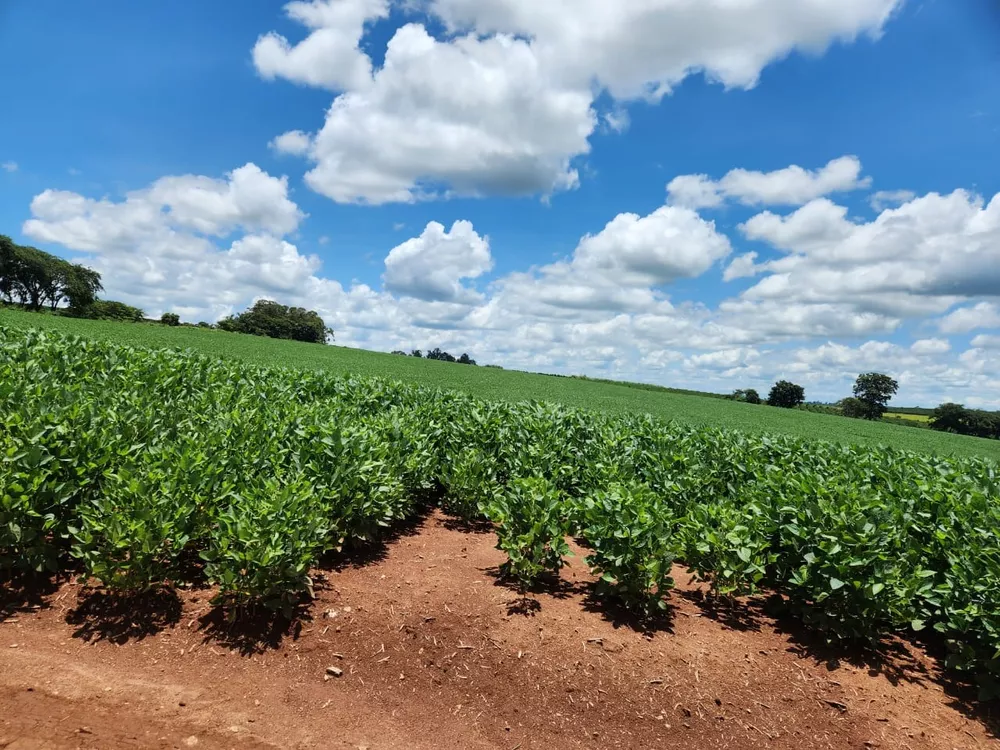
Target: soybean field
129	463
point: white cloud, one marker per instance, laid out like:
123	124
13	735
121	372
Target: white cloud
791	186
294	142
645	47
9	166
884	199
912	261
468	117
617	269
157	247
249	199
965	319
986	341
205	247
329	57
431	267
741	267
930	347
510	107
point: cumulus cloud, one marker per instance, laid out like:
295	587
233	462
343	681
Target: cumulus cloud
965	319
931	347
329	57
248	199
884	199
618	269
204	247
646	48
294	143
504	101
741	267
431	267
912	261
986	341
791	186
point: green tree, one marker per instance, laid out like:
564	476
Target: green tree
34	278
787	395
747	396
853	408
269	318
170	319
874	390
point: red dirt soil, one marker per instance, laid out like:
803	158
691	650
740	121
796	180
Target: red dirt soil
435	654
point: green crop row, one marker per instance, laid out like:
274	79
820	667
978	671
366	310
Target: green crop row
135	462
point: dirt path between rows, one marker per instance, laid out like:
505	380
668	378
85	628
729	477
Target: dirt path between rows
435	654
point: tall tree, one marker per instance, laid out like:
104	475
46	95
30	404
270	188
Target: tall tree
786	394
874	390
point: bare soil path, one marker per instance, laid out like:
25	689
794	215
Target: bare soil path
433	653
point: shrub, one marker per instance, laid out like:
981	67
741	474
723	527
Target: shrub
531	528
108	310
170	319
628	528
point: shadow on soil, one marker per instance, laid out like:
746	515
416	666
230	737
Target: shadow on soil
527	603
614	611
892	658
103	616
257	631
254	631
362	554
26	592
480	526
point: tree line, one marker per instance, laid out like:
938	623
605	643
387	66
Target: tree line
438	355
872	393
36	279
976	422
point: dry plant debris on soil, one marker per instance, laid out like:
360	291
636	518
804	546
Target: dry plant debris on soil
428	649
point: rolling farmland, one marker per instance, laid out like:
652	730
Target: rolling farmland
128	461
496	384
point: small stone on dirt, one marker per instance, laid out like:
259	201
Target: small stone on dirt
334	672
190	741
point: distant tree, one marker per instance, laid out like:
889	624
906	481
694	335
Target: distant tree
786	395
170	319
81	286
465	359
417	353
956	418
439	355
400	353
853	408
203	324
874	390
951	418
269	318
101	309
747	396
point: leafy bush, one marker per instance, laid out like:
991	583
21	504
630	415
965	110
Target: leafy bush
170	319
628	529
268	537
101	309
531	528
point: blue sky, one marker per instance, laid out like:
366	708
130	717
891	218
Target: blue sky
492	176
